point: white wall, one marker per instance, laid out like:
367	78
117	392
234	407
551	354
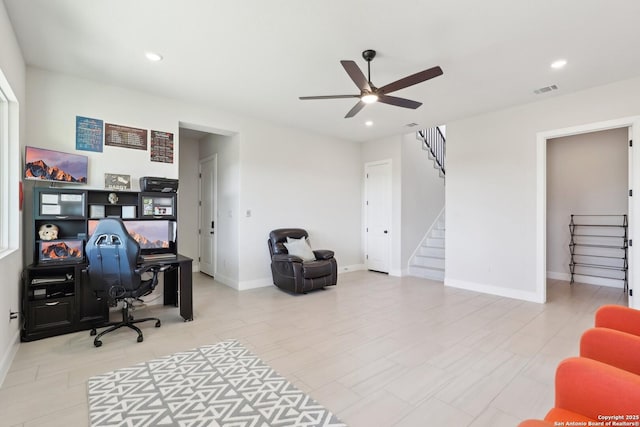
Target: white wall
292	179
13	68
188	199
492	188
286	177
586	174
422	195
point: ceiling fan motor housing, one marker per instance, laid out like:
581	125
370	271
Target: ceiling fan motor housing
368	55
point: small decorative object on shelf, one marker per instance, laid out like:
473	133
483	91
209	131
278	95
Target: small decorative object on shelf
48	232
113	198
598	247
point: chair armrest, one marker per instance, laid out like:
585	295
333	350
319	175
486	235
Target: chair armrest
323	254
591	388
154	268
285	258
612	347
617	317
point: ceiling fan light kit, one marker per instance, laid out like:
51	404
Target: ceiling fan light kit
370	94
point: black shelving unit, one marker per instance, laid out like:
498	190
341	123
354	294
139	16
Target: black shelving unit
56	294
599	246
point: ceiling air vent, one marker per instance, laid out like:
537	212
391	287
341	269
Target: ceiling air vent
545	89
410	125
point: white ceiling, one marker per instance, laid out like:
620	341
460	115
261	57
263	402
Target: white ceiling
256	57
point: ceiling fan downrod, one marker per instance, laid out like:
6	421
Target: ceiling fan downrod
368	56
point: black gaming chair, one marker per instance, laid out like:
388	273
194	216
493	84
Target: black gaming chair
113	271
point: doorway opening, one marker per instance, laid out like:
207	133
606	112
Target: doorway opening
210	238
554	201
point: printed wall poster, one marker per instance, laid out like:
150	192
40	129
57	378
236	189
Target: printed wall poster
161	146
89	134
125	136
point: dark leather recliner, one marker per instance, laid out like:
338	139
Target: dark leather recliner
293	274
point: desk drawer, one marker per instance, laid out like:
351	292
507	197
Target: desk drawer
51	313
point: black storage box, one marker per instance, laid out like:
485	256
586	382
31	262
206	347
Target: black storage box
155	184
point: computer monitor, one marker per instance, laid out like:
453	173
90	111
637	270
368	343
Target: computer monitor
153	236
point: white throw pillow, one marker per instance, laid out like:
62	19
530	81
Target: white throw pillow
300	248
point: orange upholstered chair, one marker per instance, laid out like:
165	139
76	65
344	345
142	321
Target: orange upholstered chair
620	318
612	347
587	389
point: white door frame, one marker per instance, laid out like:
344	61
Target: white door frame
214	212
633	123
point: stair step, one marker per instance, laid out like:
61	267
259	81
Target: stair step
437	232
431	252
436	242
426	272
428	261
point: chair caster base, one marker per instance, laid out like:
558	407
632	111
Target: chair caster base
158	324
97	343
140	339
93	332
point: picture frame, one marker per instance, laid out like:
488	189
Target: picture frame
117	181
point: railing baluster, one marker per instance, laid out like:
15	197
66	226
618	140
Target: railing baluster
435	143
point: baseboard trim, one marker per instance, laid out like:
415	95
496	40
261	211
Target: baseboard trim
597	281
254	284
226	281
494	290
268	281
8	356
349	268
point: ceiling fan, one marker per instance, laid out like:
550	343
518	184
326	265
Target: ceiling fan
370	94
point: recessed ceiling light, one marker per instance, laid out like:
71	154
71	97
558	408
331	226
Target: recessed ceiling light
560	63
152	56
368	123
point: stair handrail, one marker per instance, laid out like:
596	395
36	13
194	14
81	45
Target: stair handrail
435	142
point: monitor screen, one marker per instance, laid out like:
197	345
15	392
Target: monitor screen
49	165
153	236
59	251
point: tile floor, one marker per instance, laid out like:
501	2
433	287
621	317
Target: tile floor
375	350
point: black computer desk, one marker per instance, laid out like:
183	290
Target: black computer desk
178	286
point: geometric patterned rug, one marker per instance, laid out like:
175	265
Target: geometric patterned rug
216	385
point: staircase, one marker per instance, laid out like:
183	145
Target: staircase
434	143
428	259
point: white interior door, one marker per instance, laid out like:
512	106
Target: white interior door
208	215
378	216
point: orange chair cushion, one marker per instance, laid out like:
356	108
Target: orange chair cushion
612	347
535	423
620	318
591	388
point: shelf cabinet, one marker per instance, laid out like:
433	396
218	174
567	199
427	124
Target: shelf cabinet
121	204
598	247
57	300
56	294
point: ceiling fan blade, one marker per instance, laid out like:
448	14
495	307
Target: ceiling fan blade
399	102
356	75
329	97
355	110
411	80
